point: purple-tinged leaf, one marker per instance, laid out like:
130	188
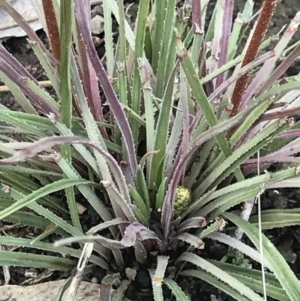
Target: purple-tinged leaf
115	106
290	133
279	114
226	31
106	287
194	222
285	154
137	232
167	210
134	233
217	92
280	70
216	41
268	66
191	240
49	142
186	136
18	74
14	63
105	291
273	159
288	150
127	173
90	83
196	15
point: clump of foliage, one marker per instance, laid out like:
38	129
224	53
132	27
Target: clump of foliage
190	117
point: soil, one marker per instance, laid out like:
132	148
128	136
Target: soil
287	240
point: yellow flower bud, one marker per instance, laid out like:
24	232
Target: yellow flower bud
182	200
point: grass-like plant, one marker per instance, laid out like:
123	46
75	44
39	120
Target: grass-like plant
190	119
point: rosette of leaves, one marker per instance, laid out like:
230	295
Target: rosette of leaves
189	116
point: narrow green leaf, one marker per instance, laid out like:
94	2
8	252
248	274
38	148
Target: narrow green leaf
253	279
240	155
201	98
43	191
18	94
162	129
203	275
279	266
139	52
36	261
176	290
277	219
231	282
161	193
142	187
160	11
140	203
49	247
166	51
46	64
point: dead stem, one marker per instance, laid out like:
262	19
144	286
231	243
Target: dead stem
263	21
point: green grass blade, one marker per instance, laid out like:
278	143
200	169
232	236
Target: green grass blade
166	52
66	16
279	266
46	64
224	287
36	261
231	282
139	50
109	53
18	94
201	97
140	203
43	191
176	290
281	218
253	279
239	156
160	12
162	128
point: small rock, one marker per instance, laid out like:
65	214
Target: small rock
97	25
130	273
80	209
